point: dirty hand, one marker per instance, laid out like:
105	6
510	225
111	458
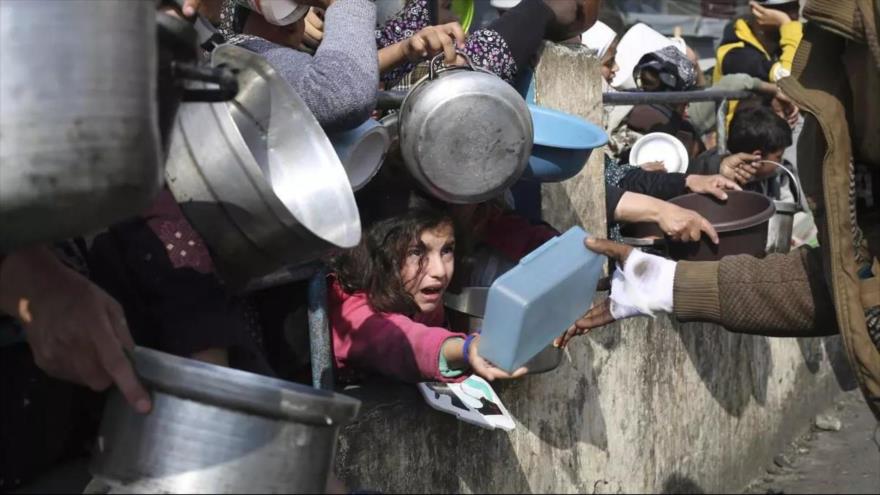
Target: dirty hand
740	167
76	331
684	225
189	8
641	285
433	40
314	29
768	17
486	369
783	104
711	184
571	18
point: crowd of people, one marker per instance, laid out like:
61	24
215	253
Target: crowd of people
151	281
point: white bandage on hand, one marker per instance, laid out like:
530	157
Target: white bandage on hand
643	286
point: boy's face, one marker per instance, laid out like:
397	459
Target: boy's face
767	169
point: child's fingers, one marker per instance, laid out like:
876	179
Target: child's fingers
418	46
454	29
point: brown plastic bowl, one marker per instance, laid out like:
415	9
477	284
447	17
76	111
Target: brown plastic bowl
741	223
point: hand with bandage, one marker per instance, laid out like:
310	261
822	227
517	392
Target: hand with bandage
641	286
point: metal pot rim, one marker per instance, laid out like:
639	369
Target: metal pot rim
241	390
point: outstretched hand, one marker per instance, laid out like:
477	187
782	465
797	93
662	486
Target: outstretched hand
599	314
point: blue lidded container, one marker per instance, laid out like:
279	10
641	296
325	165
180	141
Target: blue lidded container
535	302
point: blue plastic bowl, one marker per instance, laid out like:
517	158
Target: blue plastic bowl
562	144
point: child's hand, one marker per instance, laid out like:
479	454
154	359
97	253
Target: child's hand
314	29
433	40
769	17
486	369
740	167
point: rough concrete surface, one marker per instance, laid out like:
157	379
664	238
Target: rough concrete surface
844	461
639	406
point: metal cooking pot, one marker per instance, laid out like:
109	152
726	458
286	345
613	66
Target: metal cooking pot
218	430
178	52
257	177
782	222
79	140
465	134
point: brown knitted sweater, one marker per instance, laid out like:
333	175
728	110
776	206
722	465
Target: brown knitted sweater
782	295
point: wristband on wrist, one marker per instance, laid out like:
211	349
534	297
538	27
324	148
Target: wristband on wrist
465	349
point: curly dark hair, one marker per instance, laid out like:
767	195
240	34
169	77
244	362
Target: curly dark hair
374	266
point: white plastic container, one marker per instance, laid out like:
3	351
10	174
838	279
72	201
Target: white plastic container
535	302
277	12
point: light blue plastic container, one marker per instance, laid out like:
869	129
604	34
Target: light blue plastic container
562	144
538	300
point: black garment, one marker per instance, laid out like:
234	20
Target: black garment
646	119
518	28
745	60
657	184
174	310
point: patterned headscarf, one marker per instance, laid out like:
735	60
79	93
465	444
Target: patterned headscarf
675	70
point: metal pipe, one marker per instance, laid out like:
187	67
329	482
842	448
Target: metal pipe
721	126
644	97
320	340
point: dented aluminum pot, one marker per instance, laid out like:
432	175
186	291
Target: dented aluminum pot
257	177
218	430
465	134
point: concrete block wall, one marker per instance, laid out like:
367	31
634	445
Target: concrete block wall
639	406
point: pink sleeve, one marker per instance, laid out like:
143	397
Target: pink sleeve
388	344
514	236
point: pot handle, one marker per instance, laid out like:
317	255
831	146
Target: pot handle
799	191
221	76
643	242
432	73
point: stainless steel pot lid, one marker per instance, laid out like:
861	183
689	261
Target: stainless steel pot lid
240	390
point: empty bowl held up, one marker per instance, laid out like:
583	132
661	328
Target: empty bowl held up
562	144
361	151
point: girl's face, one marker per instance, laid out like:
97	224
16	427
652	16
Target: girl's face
609	65
429	265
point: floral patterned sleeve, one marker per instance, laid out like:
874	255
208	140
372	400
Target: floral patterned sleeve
488	49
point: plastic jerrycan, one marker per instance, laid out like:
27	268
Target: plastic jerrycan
536	301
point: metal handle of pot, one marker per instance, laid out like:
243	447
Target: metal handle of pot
799	190
221	76
432	73
643	241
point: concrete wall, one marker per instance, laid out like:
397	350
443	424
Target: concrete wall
644	405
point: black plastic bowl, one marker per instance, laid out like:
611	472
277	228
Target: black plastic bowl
741	223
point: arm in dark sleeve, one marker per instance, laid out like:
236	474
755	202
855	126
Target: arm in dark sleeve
708	163
658	185
522	27
612	198
749	61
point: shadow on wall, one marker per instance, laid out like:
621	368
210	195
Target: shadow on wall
811	350
441	461
733	367
578	416
839	363
678	483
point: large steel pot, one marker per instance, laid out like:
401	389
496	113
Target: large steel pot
79	141
218	430
257	177
465	134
